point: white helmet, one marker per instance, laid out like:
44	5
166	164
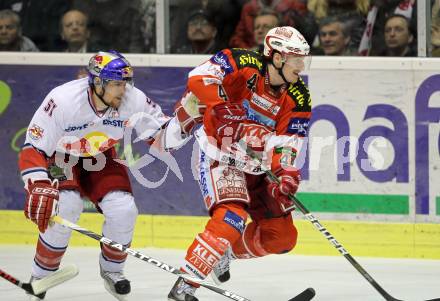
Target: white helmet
286	40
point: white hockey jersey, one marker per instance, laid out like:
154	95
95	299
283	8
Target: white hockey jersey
68	122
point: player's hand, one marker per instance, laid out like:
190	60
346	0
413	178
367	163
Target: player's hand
227	118
189	112
289	182
41	202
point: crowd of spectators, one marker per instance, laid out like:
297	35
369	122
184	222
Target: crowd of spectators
332	27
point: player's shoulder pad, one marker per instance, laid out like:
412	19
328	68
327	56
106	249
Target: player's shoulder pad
247	58
300	94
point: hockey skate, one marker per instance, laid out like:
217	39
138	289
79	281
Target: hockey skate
116	284
220	273
37	297
182	291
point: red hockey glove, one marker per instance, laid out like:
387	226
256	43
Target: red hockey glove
289	182
226	118
41	202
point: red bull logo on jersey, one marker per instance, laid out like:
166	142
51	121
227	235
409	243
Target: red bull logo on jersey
35	132
90	145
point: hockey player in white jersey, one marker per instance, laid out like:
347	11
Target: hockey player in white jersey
80	122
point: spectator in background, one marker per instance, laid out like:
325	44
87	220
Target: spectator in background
398	37
40	20
435	29
75	32
334	37
11	38
114	24
351	12
292	13
386	8
227	14
263	22
201	33
148	22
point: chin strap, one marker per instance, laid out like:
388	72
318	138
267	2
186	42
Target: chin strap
100	96
280	71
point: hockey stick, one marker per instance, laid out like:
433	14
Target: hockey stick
38	287
163	266
272	177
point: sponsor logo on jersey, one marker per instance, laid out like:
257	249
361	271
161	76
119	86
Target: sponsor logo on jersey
72	128
222	59
234	220
298	126
115	122
203	180
257	116
90	145
265	104
211	80
301	96
249	60
35	132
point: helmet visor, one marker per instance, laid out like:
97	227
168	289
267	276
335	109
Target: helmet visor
119	83
299	63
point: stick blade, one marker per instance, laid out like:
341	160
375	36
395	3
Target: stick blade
306	295
62	275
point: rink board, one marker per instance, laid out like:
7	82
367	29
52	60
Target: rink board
394	240
374	149
371	171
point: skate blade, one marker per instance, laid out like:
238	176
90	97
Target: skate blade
113	293
60	276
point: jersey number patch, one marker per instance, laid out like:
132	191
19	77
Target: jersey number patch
222	93
250	83
50	107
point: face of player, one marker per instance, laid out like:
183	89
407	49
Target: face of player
8	31
114	92
292	66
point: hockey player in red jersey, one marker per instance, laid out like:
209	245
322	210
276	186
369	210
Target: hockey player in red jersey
247	101
79	123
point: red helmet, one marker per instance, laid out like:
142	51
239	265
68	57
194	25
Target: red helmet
286	40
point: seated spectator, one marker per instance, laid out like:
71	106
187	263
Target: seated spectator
11	38
334	37
40	20
352	12
292	13
386	8
75	32
435	29
263	22
201	33
114	24
227	14
398	37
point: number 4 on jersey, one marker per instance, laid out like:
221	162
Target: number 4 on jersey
250	83
222	93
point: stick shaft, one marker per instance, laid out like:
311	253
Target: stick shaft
332	240
146	258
